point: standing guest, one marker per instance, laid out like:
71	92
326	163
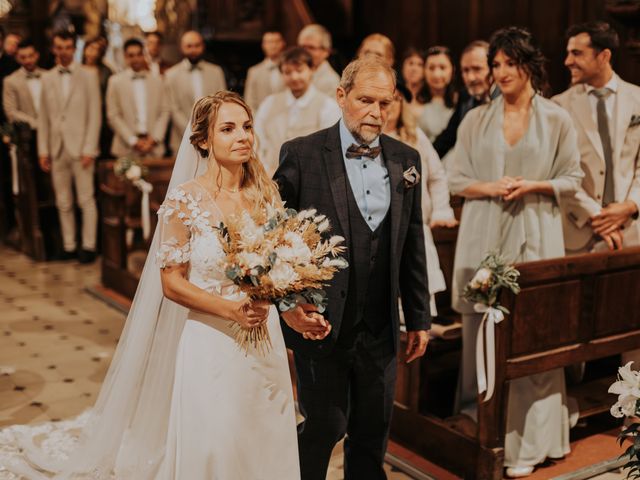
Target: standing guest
477	81
354	176
264	78
188	81
606	112
153	43
22	89
438	97
412	74
11	44
436	210
513	161
93	59
68	134
380	46
316	40
300	110
8	65
137	110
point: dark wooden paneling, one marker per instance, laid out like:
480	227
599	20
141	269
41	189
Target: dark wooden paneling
624	313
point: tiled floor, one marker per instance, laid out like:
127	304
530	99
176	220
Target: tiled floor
56	342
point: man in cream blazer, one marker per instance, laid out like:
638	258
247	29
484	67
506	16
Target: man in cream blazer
68	132
137	110
22	89
188	81
317	41
606	114
264	78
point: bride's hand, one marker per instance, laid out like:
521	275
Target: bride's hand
249	314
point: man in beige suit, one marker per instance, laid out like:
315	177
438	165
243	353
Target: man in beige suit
606	113
298	111
317	41
68	131
264	78
189	80
22	89
137	110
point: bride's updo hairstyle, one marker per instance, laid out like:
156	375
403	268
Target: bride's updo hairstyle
258	187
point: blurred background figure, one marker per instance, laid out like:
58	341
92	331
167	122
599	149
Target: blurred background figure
264	78
438	96
22	89
153	43
412	77
298	111
317	41
380	46
11	44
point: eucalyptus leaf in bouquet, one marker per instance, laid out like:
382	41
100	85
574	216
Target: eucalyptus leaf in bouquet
492	275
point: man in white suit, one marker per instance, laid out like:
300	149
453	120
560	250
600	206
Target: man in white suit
264	78
606	113
298	111
68	132
316	40
137	110
189	80
22	89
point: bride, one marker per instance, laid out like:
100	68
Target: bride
181	400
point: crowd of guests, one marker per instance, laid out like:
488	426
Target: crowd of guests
540	177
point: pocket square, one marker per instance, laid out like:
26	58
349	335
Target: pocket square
635	120
411	177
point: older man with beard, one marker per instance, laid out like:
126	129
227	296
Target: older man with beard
368	186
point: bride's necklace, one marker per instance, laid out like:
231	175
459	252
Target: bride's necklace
231	190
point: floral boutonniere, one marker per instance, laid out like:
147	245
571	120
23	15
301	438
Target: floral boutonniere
635	120
411	177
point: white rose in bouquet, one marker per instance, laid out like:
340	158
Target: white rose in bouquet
250	260
133	173
282	275
251	233
481	278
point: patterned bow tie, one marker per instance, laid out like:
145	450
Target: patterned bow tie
357	151
33	75
195	66
63	71
138	76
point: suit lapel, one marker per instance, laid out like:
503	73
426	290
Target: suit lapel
393	163
624	111
337	174
151	102
584	114
24	85
73	84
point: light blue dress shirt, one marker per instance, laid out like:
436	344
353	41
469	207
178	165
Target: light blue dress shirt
369	180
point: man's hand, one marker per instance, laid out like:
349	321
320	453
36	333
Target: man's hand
306	320
613	239
86	161
613	217
444	223
140	146
417	342
45	163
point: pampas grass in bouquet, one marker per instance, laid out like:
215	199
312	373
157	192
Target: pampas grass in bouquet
282	256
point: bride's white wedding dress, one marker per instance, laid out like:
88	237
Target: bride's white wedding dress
232	414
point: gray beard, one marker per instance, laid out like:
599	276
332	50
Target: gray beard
359	138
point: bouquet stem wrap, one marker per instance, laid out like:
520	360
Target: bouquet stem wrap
486	338
146	188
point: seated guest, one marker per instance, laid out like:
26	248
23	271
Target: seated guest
511	207
137	110
439	93
93	59
605	111
316	40
380	46
298	111
188	81
21	93
436	211
153	43
264	78
412	76
477	82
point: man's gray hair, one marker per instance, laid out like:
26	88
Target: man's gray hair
316	29
368	63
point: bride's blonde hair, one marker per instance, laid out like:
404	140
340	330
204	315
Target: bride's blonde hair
259	189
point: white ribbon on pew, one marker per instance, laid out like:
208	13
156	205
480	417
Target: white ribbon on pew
146	188
487	337
15	179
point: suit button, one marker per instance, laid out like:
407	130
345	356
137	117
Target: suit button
598	197
601	172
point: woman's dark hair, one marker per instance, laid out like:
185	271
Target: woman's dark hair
518	44
450	97
101	42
